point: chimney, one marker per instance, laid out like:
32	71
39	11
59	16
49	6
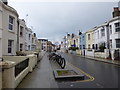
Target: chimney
34	34
116	12
5	2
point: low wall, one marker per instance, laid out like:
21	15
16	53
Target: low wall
12	81
104	54
89	53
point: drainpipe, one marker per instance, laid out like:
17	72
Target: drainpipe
17	34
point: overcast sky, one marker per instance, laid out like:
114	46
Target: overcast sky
53	19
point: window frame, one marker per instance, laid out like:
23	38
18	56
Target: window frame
11	23
117	27
117	43
10	46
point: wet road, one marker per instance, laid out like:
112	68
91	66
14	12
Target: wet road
106	75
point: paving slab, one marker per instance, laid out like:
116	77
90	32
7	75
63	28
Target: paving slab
41	77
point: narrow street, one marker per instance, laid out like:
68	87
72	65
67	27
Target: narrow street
105	75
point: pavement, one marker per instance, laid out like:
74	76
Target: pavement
115	62
41	77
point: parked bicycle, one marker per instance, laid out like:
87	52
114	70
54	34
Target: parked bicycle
58	58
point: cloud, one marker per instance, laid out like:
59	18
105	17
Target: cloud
53	19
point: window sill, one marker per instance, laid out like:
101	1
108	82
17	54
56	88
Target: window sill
12	31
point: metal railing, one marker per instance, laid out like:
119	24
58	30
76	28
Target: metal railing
21	66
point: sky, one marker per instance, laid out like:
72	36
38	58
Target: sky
53	19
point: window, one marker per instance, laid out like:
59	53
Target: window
110	43
11	22
110	27
96	46
117	27
29	36
89	46
32	40
83	38
28	47
98	34
102	32
80	47
83	46
93	46
88	36
21	47
117	43
21	31
10	45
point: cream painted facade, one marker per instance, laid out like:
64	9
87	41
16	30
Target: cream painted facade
0	31
22	34
90	39
9	34
34	42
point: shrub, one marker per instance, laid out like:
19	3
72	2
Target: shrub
73	48
102	47
20	53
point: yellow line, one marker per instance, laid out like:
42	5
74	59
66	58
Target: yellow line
90	77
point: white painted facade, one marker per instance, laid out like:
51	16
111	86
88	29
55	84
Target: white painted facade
9	30
101	36
22	35
114	34
28	41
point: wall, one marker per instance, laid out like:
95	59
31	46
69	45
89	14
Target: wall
22	38
104	54
9	79
0	31
89	53
27	41
99	38
83	40
7	34
91	41
114	35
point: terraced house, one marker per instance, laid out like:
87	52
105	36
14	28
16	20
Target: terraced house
9	29
114	32
101	35
90	39
14	34
82	43
21	35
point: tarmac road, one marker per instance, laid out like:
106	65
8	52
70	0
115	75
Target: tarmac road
105	75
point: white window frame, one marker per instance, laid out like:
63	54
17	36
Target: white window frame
117	43
21	30
11	23
102	32
117	27
10	46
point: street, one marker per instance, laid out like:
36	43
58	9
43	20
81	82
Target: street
105	75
